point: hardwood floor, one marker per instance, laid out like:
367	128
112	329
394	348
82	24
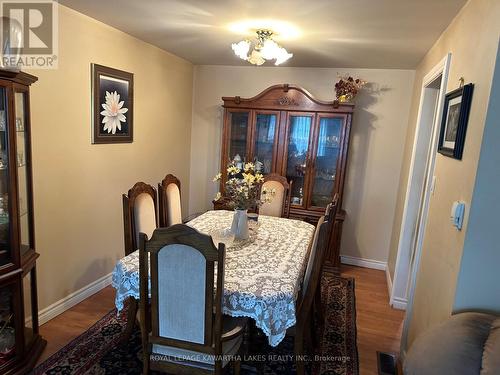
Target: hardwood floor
73	322
379	326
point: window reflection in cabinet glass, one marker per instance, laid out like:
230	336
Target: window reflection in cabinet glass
326	161
239	128
265	129
22	171
298	149
5	255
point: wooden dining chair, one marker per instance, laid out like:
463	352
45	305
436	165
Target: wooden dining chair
312	278
330	214
139	215
280	204
169	199
182	327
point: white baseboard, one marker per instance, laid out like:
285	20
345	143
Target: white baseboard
389	281
396	302
50	312
361	262
399	303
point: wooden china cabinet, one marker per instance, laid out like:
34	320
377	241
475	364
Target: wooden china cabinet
299	137
20	342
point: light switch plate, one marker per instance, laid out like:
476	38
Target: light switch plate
457	214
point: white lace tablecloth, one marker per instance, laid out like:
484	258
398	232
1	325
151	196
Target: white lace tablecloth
262	275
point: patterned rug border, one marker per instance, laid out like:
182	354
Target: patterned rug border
355	321
350	311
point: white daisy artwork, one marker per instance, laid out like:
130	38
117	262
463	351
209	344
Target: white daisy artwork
112	105
114	112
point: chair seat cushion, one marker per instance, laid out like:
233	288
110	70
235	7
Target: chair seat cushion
203	360
456	347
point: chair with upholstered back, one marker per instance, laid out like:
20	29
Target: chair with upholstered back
312	279
280	204
183	329
169	197
139	214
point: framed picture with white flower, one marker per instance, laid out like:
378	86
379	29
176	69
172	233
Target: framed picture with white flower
112	105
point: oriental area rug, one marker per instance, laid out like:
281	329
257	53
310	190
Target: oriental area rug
99	351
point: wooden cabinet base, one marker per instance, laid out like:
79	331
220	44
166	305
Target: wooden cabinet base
26	364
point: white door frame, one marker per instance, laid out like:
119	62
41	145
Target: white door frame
417	202
419	179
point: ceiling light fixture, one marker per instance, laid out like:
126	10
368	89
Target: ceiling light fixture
264	48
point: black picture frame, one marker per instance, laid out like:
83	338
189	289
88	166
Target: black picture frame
454	121
111	87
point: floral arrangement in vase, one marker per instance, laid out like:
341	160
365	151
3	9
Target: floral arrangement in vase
243	186
243	191
347	87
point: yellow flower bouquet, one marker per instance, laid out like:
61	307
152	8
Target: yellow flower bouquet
243	186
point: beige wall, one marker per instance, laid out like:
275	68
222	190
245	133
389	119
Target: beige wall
472	38
377	142
77	185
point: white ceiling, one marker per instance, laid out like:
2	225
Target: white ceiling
333	33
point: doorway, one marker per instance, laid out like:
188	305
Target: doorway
420	182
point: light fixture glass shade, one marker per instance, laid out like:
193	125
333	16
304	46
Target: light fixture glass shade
241	49
264	48
282	56
270	49
256	58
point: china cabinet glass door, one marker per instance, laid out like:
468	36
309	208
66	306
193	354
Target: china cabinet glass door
5	245
239	134
22	170
266	126
297	157
328	137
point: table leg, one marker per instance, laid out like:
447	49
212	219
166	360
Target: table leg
133	305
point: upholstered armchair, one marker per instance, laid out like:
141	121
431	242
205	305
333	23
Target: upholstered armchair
467	343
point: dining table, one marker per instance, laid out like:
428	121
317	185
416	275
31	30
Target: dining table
263	274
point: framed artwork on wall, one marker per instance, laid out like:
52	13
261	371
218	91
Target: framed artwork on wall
112	105
454	121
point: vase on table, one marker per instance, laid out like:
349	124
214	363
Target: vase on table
240	225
